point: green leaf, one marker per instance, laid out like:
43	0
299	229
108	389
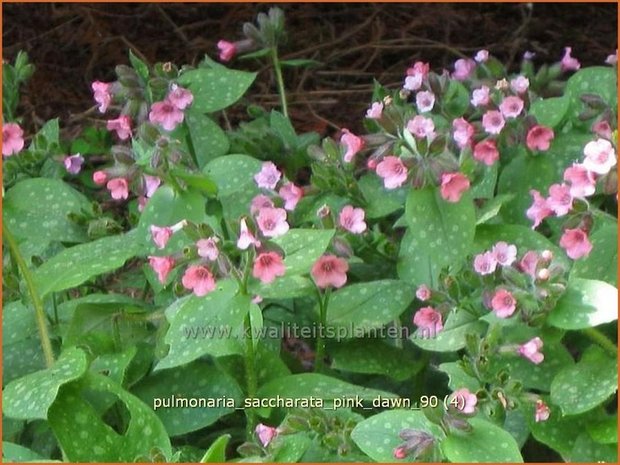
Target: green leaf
221	311
550	112
491	208
458	378
586	303
140	66
300	62
486	443
602	261
590	382
286	287
291	447
452	338
78	264
604	431
20	454
216	453
587	450
30	397
456	99
47	136
114	365
216	88
598	80
303	247
440	235
377	436
283	128
364	306
197	380
381	202
208	139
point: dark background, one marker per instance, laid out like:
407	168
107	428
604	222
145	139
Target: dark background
74	44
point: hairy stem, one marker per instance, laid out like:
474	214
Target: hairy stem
602	340
278	70
250	375
320	341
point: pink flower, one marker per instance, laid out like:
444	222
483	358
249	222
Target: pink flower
505	254
393	172
503	303
419	68
576	243
531	350
602	129
268	266
529	263
207	248
265	434
73	163
246	238
180	97
481	56
122	126
612	59
330	270
425	101
560	200
465	400
162	266
542	411
539	138
166	114
421	127
102	95
485	263
600	156
413	82
539	210
119	188
272	222
259	202
527	55
569	63
12	139
429	321
199	279
583	182
463	69
352	219
375	111
480	97
493	122
352	143
463	132
161	235
520	84
100	177
227	50
511	106
486	152
151	183
400	452
268	176
423	293
142	201
291	194
453	185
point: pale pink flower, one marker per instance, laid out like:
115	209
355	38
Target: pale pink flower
481	56
520	84
602	129
486	152
419	68
291	194
12	139
122	126
542	411
162	266
421	127
612	59
485	263
600	156
529	263
569	63
480	97
198	279
265	434
463	69
102	95
429	321
151	183
400	452
268	176
582	181
166	114
268	266
227	50
425	101
462	132
393	172
352	219
100	177
539	138
576	243
352	143
119	188
503	303
375	111
142	201
560	200
413	82
330	270
272	222
539	210
423	292
246	238
493	122
180	97
453	185
505	254
207	248
527	55
73	163
531	350
511	106
161	235
259	202
465	400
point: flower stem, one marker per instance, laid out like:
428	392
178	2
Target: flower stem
250	375
602	340
320	341
278	70
34	295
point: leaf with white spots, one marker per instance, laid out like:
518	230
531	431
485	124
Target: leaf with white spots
587	450
114	365
30	397
368	305
381	202
590	382
604	431
286	287
19	454
377	436
303	247
597	80
550	112
486	443
452	337
458	378
602	261
208	139
216	88
291	447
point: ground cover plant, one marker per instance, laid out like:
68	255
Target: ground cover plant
438	287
